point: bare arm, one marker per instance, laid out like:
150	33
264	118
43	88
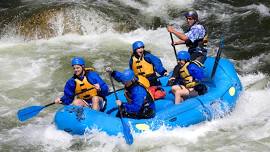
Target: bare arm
180	35
179	42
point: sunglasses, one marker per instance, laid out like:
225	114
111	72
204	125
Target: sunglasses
190	18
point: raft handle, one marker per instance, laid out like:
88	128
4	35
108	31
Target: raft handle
68	130
173	119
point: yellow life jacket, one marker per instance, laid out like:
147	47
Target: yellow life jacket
189	82
142	67
205	40
144	81
84	89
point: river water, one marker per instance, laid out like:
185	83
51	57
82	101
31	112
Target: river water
38	38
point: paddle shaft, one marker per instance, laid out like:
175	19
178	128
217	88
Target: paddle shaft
116	97
47	105
173	46
114	90
126	130
217	58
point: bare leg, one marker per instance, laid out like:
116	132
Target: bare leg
179	92
80	102
95	103
177	96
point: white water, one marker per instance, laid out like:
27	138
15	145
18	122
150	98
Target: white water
34	73
37	63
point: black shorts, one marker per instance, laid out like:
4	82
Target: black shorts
201	89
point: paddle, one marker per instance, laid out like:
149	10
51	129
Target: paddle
126	130
29	112
173	46
221	46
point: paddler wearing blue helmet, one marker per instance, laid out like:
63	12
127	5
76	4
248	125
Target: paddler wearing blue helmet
195	38
86	85
186	78
146	64
140	104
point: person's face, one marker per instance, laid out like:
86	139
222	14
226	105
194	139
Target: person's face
77	69
190	21
139	51
181	62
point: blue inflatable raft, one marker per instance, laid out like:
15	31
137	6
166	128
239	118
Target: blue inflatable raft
223	91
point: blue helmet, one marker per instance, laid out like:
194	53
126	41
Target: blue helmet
136	45
77	61
127	75
192	14
183	55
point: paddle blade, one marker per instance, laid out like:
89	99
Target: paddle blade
127	133
29	112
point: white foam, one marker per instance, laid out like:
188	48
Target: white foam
18	71
89	21
261	8
158	41
40	132
158	8
253	63
249	119
251	78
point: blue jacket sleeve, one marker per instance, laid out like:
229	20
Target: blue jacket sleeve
94	78
195	71
156	63
138	95
69	92
117	76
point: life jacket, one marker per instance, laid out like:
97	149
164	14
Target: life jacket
198	45
149	98
142	67
146	111
84	89
189	82
144	81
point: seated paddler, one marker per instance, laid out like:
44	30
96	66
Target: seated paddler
186	78
146	64
84	88
140	103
